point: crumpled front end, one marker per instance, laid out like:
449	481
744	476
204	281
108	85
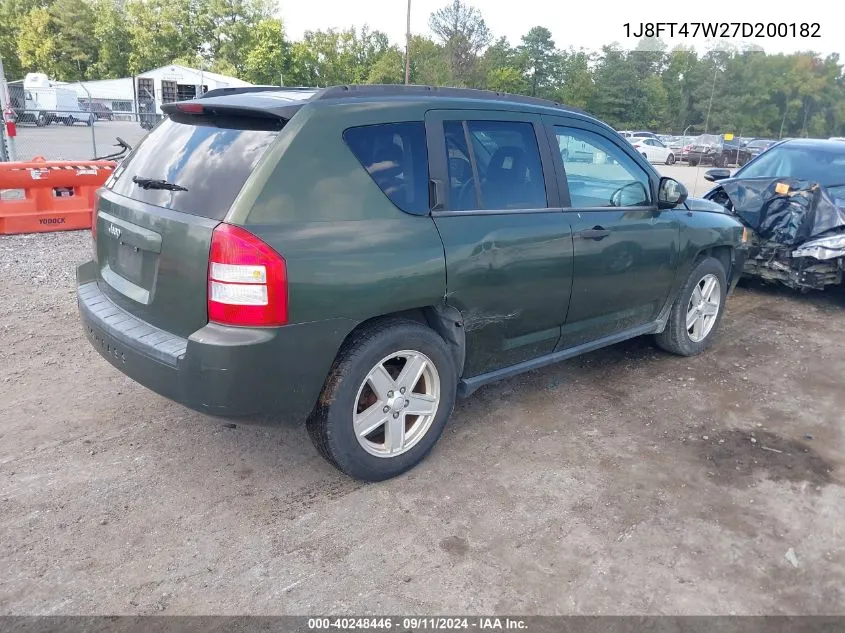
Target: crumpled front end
793	268
798	230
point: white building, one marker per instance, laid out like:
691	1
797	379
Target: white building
145	92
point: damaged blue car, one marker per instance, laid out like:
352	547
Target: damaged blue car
792	197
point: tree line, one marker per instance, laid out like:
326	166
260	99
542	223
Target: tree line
743	91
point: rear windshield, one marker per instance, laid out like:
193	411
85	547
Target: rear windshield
211	157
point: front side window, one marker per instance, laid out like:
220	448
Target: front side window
507	172
598	172
395	156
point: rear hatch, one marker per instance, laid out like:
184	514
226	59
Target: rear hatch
156	215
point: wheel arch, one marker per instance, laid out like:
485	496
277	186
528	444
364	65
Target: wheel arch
724	253
445	320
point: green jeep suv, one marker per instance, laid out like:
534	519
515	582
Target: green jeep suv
357	257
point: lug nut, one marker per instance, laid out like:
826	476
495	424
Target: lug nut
386	409
402	390
389	394
395	415
407	402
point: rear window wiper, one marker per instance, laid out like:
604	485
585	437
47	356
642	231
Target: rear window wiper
157	183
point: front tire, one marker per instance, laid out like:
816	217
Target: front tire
386	400
697	311
670	160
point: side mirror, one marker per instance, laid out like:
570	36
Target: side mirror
717	174
633	194
670	193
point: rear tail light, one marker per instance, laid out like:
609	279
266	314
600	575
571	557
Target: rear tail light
247	280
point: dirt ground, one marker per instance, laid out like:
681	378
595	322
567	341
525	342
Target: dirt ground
626	481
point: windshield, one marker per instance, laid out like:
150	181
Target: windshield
822	165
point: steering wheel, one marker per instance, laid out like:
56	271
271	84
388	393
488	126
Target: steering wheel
468	188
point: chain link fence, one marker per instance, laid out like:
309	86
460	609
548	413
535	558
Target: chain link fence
52	123
56	123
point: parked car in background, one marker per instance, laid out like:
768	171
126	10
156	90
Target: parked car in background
734	153
642	134
246	257
680	146
793	197
653	150
100	110
713	149
758	146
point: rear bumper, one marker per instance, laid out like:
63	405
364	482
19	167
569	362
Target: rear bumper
218	370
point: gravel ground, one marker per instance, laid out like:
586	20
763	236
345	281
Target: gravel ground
626	481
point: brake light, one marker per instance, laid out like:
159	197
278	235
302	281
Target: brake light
247	280
190	108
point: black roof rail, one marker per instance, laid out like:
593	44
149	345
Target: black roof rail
397	90
219	92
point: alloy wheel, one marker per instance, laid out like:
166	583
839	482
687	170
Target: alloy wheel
396	403
703	308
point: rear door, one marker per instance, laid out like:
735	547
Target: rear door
625	248
508	245
156	215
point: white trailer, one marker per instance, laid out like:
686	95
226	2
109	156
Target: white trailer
38	100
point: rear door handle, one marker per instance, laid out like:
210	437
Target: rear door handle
595	233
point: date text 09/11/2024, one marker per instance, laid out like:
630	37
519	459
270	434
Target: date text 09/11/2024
723	29
416	623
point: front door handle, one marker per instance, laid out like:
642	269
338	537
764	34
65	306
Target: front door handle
595	233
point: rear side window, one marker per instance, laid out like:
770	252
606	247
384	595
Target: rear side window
210	157
395	156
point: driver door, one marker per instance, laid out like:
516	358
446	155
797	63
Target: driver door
625	250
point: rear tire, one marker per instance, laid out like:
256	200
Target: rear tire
363	390
694	302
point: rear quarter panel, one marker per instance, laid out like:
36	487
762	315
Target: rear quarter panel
351	253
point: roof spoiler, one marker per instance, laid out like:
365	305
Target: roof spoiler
222	92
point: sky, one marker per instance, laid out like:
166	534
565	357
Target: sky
587	25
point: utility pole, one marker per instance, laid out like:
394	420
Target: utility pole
408	47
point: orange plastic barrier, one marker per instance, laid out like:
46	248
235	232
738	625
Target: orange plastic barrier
41	195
